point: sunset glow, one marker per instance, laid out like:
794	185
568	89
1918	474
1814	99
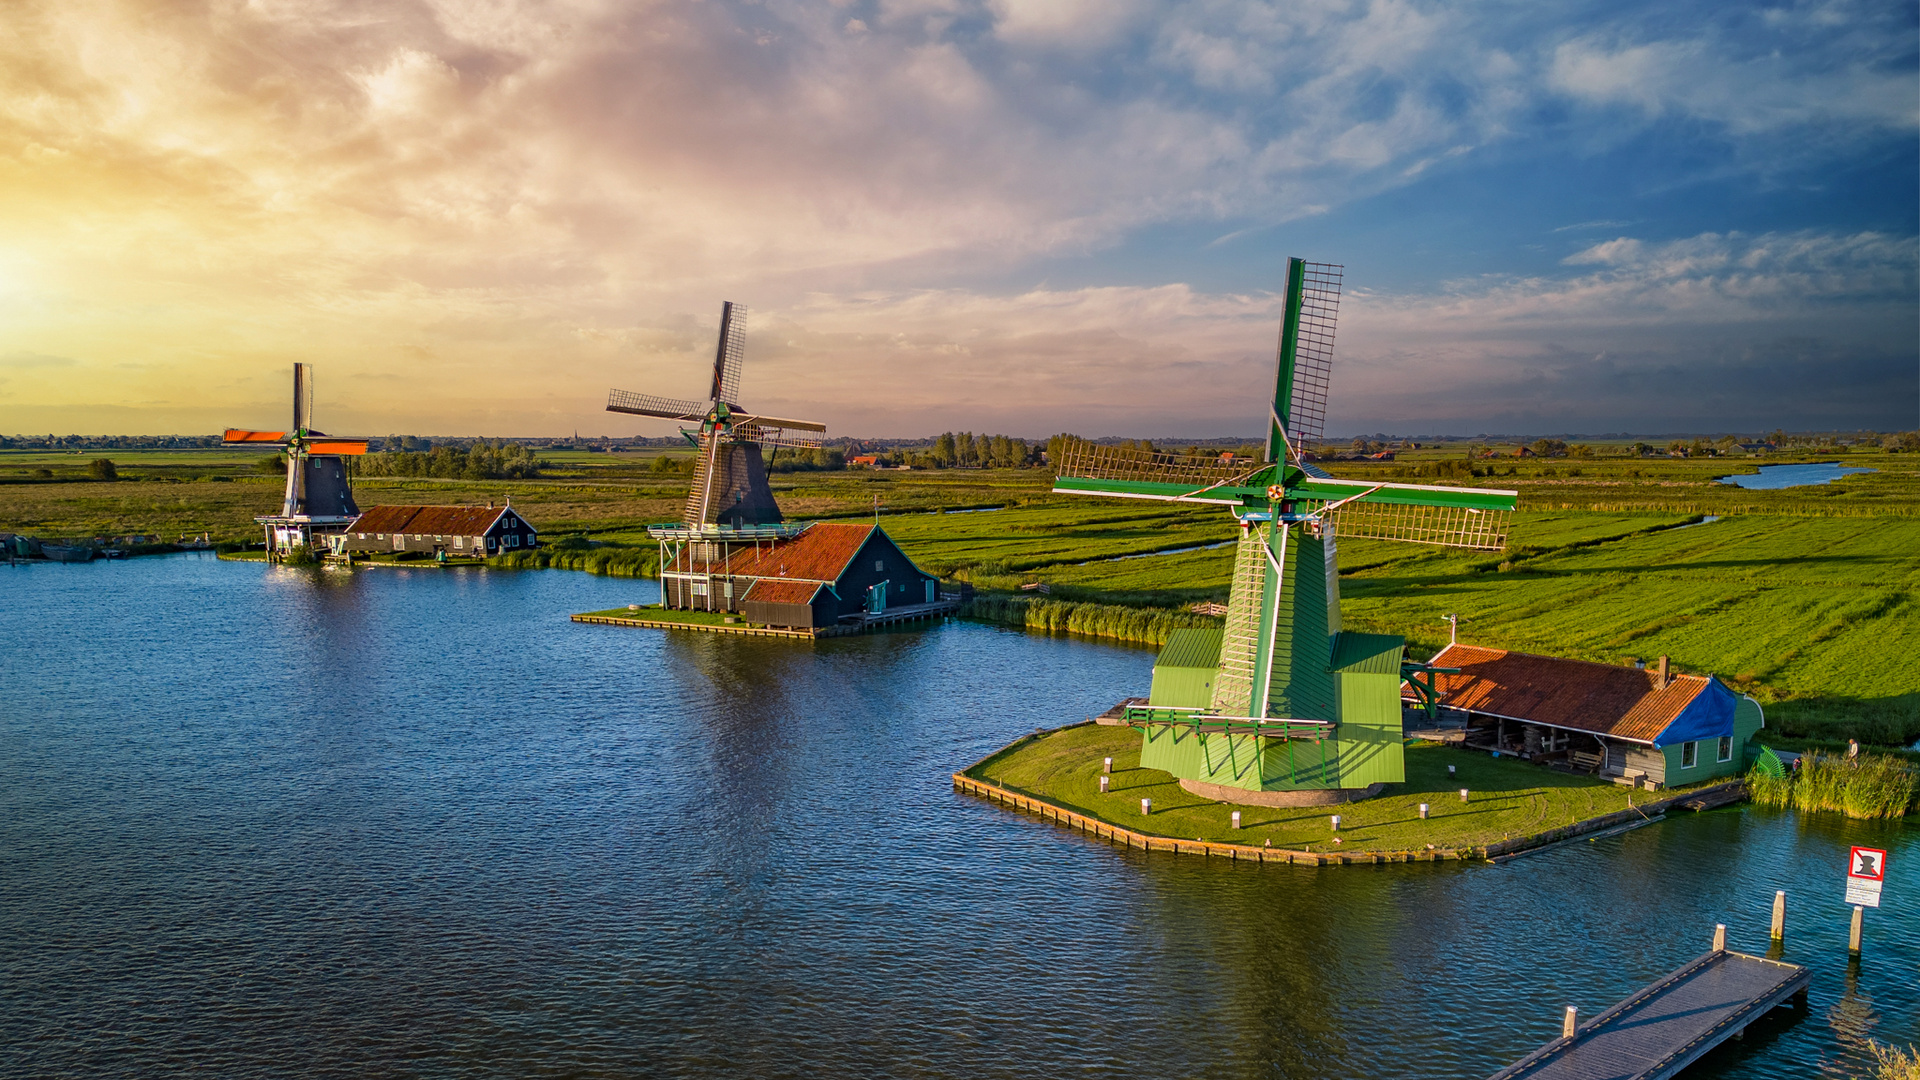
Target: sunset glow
475	216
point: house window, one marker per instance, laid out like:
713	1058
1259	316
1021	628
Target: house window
1726	748
697	588
880	566
1689	754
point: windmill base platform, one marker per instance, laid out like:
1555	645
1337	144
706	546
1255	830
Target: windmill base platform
1244	797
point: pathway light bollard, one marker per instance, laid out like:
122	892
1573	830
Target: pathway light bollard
1450	770
1780	915
1423	811
1109	766
1146	807
1720	937
1571	1022
1104	781
1853	932
1236	819
1463	794
1336	823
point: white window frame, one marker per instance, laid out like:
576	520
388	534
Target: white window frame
1725	749
1690	754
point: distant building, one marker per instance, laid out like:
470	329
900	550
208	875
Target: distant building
864	461
1638	726
808	580
471	531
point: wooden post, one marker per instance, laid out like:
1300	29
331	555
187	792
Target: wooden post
1423	811
1571	1022
1146	807
1853	933
1104	781
1463	794
1719	937
1109	764
1780	915
1236	819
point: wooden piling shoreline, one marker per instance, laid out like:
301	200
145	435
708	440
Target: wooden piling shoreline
1500	851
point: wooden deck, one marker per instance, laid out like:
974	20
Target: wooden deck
1667	1026
939	609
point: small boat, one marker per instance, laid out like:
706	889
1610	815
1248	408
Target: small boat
66	552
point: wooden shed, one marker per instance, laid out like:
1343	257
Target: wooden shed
828	571
1643	726
471	531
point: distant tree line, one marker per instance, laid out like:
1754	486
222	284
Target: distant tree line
483	460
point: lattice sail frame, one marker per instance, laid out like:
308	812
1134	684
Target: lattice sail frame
626	401
1441	526
730	354
1240	640
1313	352
1091	461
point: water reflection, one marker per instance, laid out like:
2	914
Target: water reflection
260	820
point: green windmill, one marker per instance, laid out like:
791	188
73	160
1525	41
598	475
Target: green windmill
1282	706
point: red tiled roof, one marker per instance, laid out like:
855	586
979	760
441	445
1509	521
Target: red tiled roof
775	591
428	520
819	554
1601	698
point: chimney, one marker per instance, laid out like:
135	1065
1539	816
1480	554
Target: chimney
1660	678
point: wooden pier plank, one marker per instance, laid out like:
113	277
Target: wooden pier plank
1666	1026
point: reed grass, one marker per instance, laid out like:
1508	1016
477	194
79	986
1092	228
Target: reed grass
1870	786
1893	1063
1146	625
608	561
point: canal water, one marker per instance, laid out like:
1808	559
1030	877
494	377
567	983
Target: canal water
1774	477
265	822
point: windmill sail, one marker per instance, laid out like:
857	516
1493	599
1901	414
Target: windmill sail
1306	354
1125	472
1461	517
625	401
729	353
729	485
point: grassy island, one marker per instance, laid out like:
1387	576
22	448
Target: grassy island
1509	799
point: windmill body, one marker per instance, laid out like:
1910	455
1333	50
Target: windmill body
318	500
1290	708
729	502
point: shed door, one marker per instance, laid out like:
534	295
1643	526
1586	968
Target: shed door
877	598
933	590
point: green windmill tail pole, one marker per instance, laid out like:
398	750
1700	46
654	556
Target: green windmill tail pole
1289	349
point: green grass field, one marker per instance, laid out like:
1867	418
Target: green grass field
1804	598
1508	798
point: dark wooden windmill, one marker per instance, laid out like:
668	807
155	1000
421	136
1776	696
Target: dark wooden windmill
730	477
319	497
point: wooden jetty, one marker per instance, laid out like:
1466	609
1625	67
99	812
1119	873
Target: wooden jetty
1670	1024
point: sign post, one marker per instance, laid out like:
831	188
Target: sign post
1866	871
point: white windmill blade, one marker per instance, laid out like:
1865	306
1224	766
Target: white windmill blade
625	401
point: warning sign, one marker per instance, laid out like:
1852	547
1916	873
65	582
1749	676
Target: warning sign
1866	870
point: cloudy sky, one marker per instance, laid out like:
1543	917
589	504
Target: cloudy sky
476	216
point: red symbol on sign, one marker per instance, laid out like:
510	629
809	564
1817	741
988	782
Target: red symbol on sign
1868	863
